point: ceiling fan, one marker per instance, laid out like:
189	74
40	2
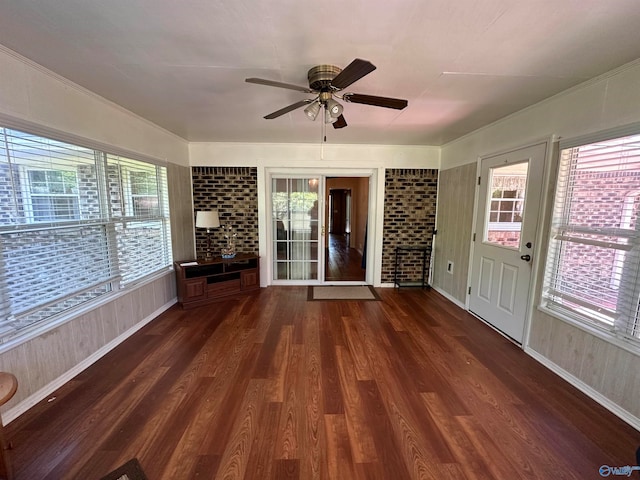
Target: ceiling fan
326	81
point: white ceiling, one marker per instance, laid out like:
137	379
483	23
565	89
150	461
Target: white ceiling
461	64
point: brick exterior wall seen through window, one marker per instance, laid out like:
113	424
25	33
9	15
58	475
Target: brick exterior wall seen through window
409	219
599	202
233	191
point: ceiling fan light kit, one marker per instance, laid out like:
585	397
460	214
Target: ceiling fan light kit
328	118
334	108
312	110
326	81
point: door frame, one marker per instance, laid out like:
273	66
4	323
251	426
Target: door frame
541	229
374	219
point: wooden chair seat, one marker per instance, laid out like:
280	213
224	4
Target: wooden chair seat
8	388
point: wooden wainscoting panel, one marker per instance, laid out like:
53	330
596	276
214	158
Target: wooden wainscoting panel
182	225
456	196
87	334
124	312
51	354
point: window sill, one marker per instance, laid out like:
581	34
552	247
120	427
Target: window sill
601	333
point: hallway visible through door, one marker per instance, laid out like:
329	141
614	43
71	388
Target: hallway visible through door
347	200
343	263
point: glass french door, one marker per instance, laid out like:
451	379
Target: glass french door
296	228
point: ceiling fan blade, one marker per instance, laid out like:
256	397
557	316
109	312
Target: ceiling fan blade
271	83
386	102
352	73
288	109
340	122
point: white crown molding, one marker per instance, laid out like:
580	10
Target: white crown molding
587	83
59	78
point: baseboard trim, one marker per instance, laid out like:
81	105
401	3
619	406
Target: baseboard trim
17	410
450	298
614	408
440	291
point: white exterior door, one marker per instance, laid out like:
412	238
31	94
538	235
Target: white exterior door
506	223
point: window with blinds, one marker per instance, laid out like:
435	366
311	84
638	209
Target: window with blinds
593	262
75	224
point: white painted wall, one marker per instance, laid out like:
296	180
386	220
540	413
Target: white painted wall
32	95
308	155
603	369
604	102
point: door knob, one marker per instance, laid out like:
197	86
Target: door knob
526	258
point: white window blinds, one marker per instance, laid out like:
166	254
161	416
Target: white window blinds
592	270
140	211
75	224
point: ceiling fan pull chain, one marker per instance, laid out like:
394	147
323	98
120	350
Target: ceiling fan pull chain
324	128
323	134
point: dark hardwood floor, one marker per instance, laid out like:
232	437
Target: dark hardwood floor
343	263
270	386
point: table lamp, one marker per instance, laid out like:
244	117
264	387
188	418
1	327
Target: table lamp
207	219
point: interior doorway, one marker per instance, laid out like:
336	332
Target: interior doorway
299	248
347	201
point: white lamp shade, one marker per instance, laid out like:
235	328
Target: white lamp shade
207	219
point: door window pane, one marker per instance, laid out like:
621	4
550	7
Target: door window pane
295	228
503	224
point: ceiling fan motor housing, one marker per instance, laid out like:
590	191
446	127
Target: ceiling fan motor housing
320	77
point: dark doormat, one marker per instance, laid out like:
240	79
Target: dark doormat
129	471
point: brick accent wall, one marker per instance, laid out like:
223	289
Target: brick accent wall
233	191
409	219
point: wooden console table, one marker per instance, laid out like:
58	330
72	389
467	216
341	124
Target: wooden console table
203	281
